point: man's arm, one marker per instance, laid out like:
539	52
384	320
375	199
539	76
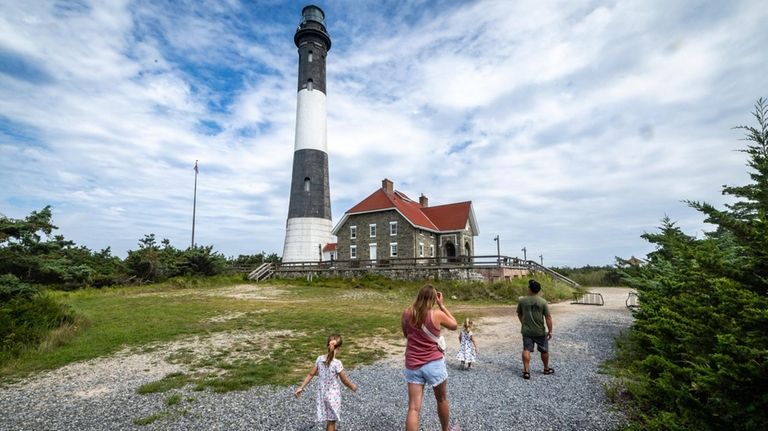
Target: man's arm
548	319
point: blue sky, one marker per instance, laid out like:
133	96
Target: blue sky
574	127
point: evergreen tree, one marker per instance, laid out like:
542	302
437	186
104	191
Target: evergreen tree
697	354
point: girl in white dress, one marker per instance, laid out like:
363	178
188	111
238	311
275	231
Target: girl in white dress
467	347
330	371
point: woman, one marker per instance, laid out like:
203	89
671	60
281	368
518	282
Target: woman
424	362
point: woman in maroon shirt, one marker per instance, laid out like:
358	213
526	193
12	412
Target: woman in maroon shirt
424	362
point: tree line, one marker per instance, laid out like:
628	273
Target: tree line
31	252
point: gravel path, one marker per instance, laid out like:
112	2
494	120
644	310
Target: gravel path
492	396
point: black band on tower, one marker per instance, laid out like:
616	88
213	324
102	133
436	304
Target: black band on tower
310	192
313	42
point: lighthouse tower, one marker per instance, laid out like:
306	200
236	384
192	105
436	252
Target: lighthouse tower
309	213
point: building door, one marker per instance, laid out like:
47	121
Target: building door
372	251
450	251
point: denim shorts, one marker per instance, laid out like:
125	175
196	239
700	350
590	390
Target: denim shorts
432	373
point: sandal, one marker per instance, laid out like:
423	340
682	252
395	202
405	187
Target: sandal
549	371
526	375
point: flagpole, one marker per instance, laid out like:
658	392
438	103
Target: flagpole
194	207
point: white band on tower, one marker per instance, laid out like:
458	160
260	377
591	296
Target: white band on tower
311	121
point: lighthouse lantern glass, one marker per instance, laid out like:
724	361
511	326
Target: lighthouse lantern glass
314	14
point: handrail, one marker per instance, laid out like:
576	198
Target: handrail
462	262
263	271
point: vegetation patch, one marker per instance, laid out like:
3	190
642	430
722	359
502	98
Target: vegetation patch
171	381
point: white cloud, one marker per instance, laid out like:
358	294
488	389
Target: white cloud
572	126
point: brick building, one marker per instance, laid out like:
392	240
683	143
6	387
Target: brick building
388	224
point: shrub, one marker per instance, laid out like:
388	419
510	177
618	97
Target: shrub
26	316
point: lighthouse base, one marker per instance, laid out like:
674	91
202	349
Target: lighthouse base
305	238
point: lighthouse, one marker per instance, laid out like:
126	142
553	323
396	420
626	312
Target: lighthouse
308	228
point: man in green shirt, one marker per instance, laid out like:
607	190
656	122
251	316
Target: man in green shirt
532	310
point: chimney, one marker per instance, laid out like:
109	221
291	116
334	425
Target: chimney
388	186
423	201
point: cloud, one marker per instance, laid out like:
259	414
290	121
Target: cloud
573	127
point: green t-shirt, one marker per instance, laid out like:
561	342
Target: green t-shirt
533	309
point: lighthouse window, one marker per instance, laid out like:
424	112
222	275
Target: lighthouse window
309	57
309	85
306	184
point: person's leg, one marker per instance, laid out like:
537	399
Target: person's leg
443	407
526	361
415	397
330	426
527	349
543	345
469	365
462	365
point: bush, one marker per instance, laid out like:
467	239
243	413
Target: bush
26	316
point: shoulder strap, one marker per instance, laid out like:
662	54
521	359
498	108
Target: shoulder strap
429	334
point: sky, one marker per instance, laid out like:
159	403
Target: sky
573	127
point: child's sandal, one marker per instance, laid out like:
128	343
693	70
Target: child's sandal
549	371
526	375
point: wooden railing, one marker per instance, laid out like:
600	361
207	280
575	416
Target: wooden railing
458	262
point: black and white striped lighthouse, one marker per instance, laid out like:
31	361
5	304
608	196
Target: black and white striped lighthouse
308	227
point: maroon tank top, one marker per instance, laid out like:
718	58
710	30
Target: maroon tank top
420	349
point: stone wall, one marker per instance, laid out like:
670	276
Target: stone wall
407	237
460	274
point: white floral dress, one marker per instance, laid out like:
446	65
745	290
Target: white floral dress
467	351
328	389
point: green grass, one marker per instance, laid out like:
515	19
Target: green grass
173	400
289	330
171	381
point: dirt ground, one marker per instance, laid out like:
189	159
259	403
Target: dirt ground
498	326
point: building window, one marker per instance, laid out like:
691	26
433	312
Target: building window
353	252
309	57
431	250
306	184
392	228
421	249
353	232
393	249
372	230
309	84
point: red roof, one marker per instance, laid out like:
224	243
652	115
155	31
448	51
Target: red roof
448	217
331	246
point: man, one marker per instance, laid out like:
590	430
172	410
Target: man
532	310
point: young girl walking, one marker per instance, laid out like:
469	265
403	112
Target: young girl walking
330	371
467	347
